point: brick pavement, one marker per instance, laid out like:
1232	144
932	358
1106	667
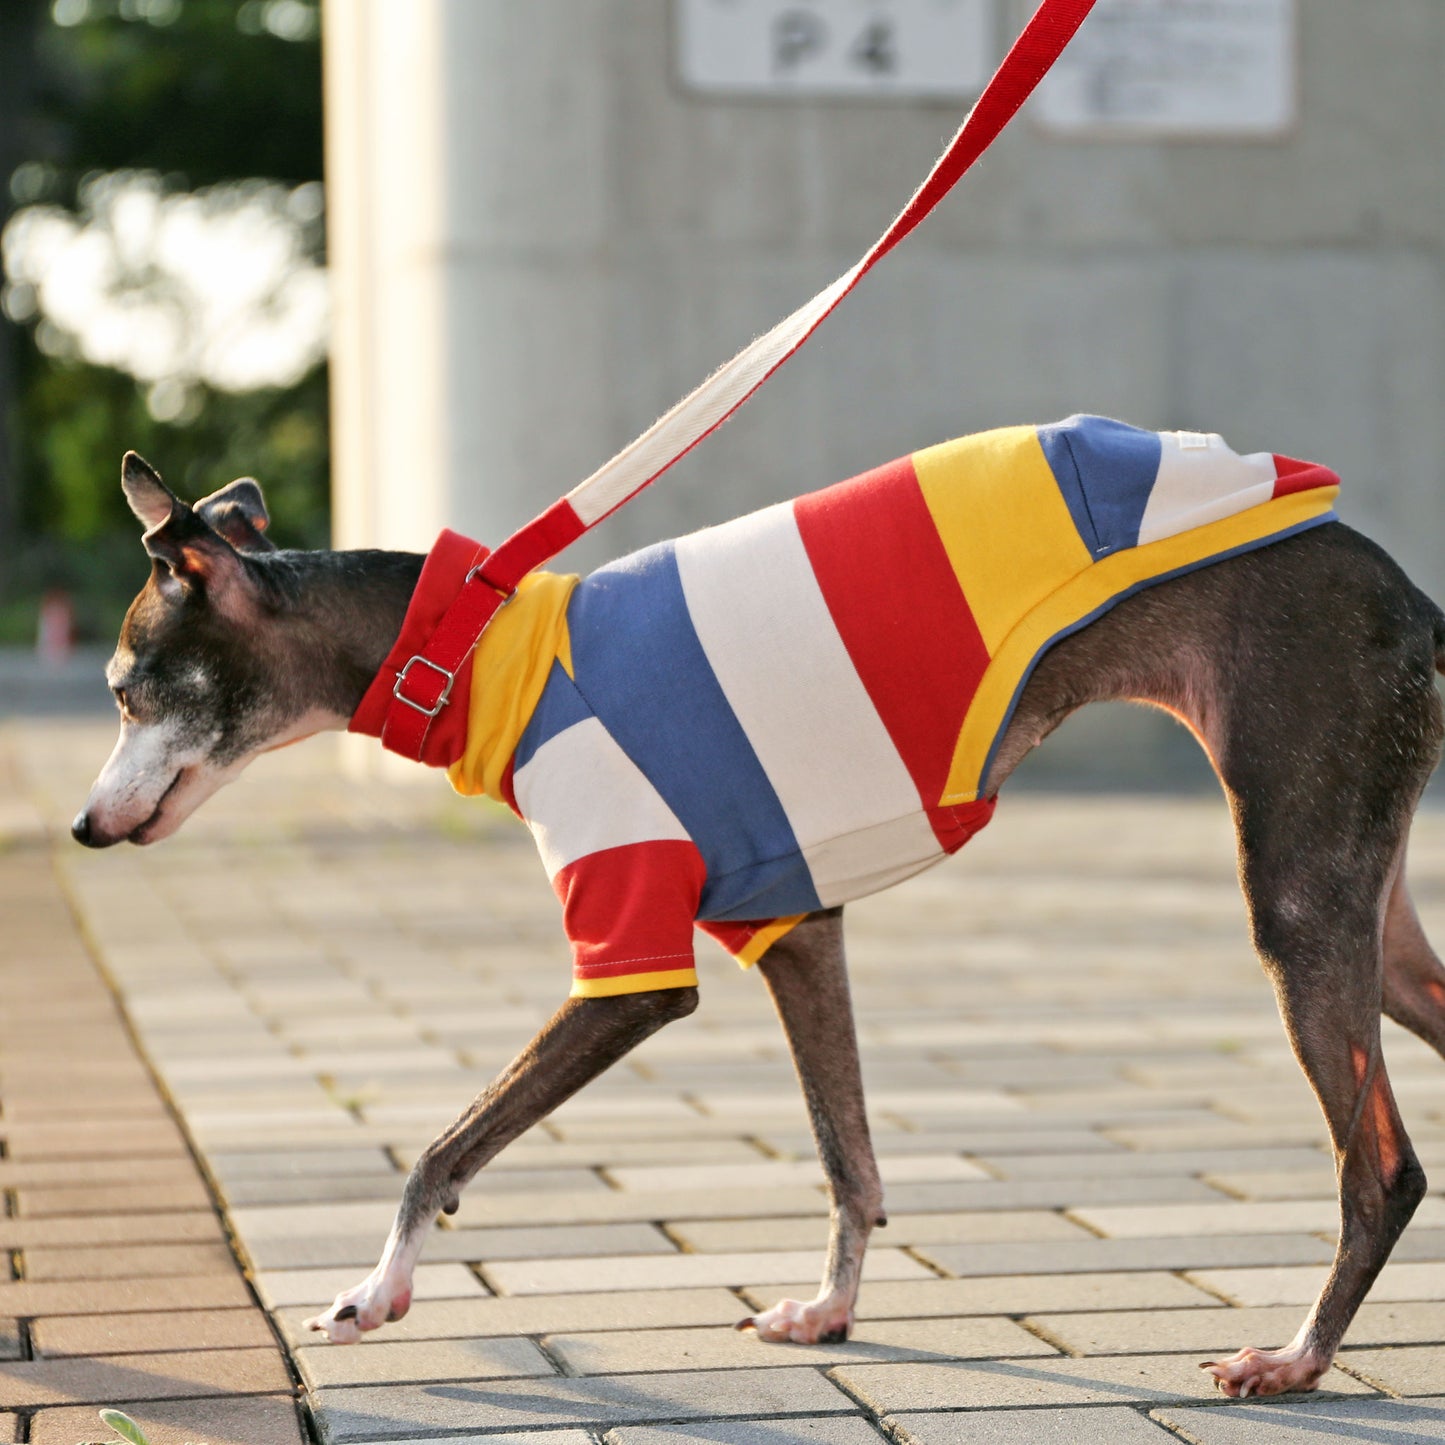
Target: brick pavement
1101	1160
118	1285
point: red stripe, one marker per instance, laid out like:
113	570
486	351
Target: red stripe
1297	476
630	909
901	614
538	542
732	936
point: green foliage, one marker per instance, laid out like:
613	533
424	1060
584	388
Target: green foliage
77	420
211	94
200	91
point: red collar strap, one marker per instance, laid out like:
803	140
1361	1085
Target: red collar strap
417	702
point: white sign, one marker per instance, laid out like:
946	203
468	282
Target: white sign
941	48
1175	67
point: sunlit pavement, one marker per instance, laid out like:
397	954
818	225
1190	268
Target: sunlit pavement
1102	1162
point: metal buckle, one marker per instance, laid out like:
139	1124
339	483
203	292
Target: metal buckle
501	592
446	692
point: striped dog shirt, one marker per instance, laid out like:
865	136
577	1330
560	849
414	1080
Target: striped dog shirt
800	707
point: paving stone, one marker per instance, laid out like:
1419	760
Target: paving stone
312	1287
212	1329
541	1314
553	1241
1125	1379
126	1261
1214	1330
1211	1162
237	1420
722	1235
88	1296
120	1228
115	1198
132	1140
1300	1284
1096	1425
829	1430
558	1276
1095	1255
528	1437
1154	1221
483	1209
1267	1186
619	1352
1160	1190
371	1412
1403	1370
117	1379
1302	1421
293	1163
1014	1295
766	1174
100	1174
390	1361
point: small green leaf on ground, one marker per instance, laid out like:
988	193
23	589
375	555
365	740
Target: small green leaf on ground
124	1426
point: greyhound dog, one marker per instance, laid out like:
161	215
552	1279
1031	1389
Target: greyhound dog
1304	666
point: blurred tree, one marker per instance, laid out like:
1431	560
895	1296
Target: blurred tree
18	26
198	92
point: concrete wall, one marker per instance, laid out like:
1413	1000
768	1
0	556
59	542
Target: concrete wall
541	242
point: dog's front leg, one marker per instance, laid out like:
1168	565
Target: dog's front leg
581	1039
807	977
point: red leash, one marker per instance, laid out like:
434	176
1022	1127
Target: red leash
424	682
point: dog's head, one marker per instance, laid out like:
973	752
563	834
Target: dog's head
200	671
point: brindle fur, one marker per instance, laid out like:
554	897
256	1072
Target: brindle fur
1305	669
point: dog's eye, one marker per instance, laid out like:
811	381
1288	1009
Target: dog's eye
121	701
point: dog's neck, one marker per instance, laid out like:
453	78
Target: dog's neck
346	611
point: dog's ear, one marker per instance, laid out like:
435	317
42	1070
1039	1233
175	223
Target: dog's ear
238	513
149	497
188	554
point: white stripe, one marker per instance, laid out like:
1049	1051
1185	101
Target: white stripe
869	860
1200	484
701	409
580	793
771	642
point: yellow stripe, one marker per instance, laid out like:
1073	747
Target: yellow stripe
1003	522
512	662
765	938
633	983
1086	593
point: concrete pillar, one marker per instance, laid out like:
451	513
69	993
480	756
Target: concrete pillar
466	195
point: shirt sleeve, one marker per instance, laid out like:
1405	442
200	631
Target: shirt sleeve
629	912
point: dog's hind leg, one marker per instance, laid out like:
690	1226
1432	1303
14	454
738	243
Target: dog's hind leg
806	975
1323	778
1316	897
1414	975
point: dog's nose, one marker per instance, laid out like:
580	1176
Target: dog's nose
80	828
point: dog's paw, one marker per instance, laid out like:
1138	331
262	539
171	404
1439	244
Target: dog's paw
1267	1372
378	1299
823	1322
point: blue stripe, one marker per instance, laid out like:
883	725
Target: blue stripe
1114	601
1106	471
559	707
641	669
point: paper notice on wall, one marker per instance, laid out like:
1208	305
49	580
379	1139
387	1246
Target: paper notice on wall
884	48
1159	68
